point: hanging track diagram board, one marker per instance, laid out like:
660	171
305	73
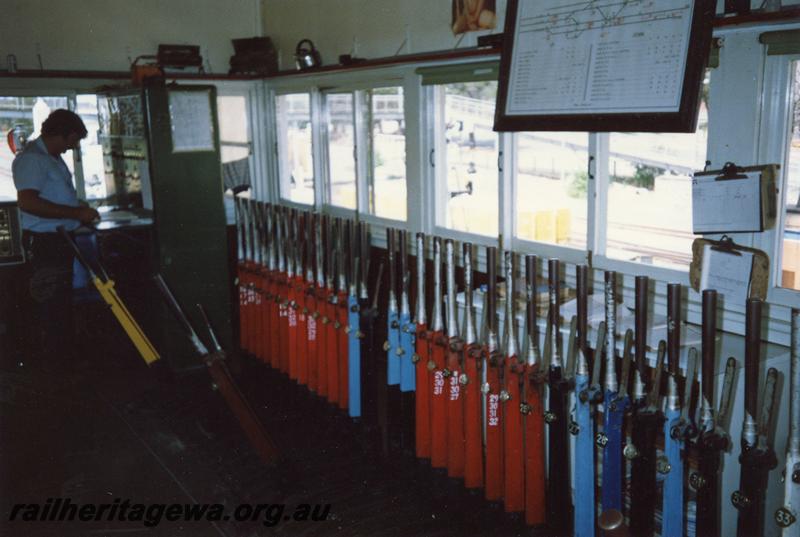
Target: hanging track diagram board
612	65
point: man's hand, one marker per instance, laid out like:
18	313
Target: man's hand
86	215
30	202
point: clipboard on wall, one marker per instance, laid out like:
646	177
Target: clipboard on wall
734	199
737	272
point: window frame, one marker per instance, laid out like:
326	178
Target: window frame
71	96
565	253
602	180
253	90
437	176
595	254
248	144
228	91
355	82
326	161
422	116
774	140
362	137
420	110
273	96
369	170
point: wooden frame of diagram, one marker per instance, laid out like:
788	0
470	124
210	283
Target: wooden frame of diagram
634	66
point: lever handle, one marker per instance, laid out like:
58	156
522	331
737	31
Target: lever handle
572	348
691	371
626	363
598	354
767	408
207	323
179	314
726	397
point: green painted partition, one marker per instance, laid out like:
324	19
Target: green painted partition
187	188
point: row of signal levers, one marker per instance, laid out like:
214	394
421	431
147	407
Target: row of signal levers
482	401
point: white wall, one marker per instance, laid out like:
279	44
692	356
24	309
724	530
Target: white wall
378	27
106	35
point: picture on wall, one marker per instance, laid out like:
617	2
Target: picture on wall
473	15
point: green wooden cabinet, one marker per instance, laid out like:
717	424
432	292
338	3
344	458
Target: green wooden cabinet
189	216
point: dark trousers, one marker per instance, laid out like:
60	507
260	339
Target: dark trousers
48	297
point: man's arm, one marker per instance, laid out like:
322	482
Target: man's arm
30	202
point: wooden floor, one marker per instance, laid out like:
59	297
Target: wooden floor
116	429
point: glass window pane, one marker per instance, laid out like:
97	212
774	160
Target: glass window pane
28	113
232	117
650	193
470	188
230	152
91	149
551	187
388	192
790	255
341	147
233	127
295	160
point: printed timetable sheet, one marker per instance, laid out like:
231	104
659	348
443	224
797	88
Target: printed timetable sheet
611	56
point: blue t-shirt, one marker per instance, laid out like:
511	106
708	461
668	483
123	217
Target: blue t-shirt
36	169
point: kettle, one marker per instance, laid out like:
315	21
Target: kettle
305	57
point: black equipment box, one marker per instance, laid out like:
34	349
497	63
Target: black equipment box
179	56
254	56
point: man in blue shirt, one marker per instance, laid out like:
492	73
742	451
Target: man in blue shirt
47	199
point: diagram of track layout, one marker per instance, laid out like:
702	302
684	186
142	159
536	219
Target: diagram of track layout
607	56
572	20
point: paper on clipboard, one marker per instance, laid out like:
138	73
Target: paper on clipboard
728	273
191	121
726	205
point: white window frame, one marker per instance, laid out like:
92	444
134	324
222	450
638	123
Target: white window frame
755	83
255	158
600	258
773	148
597	224
71	95
422	114
436	166
565	253
362	132
275	148
252	90
407	84
338	210
357	81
